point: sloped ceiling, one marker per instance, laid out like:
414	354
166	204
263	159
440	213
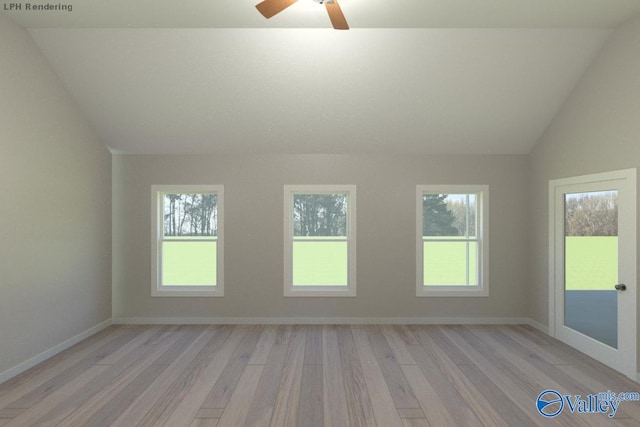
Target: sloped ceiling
359	13
412	77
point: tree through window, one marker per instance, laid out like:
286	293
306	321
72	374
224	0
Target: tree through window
451	242
188	249
190	214
320	240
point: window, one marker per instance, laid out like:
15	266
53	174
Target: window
187	240
320	240
452	244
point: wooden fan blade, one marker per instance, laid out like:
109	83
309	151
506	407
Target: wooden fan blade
337	17
268	8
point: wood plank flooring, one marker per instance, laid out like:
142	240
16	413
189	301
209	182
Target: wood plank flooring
284	375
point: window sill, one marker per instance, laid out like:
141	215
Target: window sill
328	291
451	291
191	291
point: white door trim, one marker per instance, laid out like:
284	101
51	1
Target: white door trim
627	182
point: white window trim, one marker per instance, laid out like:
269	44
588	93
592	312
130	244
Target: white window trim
319	291
482	289
157	289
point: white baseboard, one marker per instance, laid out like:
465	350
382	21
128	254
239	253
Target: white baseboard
30	363
321	320
537	325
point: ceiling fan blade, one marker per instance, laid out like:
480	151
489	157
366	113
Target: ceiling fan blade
268	8
337	17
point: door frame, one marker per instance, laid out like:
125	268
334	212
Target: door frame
623	359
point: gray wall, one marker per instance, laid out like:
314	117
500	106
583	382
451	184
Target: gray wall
386	212
55	207
597	130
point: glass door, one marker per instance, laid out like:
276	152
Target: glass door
592	299
591	264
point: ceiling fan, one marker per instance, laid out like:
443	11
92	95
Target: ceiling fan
269	8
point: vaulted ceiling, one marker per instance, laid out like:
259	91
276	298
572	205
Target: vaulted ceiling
438	76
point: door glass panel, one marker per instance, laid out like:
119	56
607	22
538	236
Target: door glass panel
591	264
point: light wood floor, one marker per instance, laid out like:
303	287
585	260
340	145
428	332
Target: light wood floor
309	376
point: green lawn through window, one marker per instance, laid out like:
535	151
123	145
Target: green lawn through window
591	262
189	263
320	263
445	263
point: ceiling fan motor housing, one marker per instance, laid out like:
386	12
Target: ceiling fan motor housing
324	1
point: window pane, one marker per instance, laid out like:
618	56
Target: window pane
591	265
591	262
320	263
463	207
320	214
437	218
473	263
190	214
449	215
445	263
591	214
189	263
